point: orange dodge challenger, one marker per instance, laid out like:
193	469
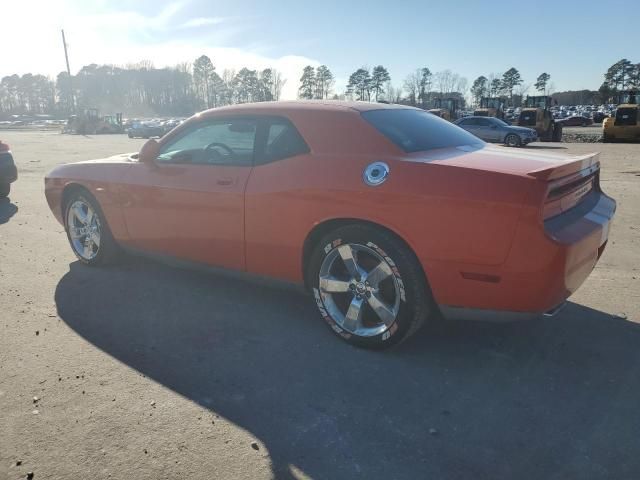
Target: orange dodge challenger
388	214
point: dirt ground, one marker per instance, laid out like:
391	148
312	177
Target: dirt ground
146	371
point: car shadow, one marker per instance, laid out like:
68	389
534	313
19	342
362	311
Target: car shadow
7	210
555	398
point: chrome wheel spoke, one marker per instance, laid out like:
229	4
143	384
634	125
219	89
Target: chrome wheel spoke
379	273
346	253
382	310
89	218
79	214
95	238
88	248
75	233
333	285
353	318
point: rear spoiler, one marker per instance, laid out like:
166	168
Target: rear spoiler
562	169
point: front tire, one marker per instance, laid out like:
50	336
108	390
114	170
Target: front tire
512	140
5	189
87	230
368	286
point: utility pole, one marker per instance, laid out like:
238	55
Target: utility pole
66	57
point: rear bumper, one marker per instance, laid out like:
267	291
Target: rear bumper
545	267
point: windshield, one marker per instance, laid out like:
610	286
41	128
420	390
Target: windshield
416	130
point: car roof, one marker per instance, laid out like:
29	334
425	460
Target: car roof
475	116
304	105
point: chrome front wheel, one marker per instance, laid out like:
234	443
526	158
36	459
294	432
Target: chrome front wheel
84	229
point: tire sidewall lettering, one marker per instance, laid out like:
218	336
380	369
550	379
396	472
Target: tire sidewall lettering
387	334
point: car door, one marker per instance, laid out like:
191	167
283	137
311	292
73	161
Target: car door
469	124
189	203
485	130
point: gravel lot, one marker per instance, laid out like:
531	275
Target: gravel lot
146	371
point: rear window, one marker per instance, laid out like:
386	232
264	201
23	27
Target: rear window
626	116
416	130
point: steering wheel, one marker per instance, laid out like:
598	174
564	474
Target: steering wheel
212	146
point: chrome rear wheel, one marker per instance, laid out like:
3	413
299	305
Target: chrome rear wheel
359	290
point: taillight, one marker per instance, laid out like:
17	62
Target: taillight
566	193
4	147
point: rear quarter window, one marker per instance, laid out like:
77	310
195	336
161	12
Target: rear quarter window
417	130
283	141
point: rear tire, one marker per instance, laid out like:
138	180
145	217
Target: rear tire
384	302
5	189
87	230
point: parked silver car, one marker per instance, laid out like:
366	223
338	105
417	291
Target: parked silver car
491	129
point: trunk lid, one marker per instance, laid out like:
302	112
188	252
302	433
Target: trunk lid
539	164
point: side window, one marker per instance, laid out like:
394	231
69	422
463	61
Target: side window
483	122
216	142
469	122
283	141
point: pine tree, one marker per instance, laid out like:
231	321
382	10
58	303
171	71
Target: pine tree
324	82
360	84
307	83
379	76
479	88
541	82
203	70
511	79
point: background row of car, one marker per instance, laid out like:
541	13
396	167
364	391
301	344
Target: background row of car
150	128
570	115
494	130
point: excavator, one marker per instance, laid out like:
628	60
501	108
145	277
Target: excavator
445	108
490	107
536	114
626	123
90	122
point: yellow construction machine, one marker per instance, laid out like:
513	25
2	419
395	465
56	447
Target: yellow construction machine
625	125
90	122
490	107
445	108
536	114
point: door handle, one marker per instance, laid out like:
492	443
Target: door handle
225	181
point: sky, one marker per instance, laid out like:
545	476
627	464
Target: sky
574	41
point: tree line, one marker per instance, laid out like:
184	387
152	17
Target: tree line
142	89
139	89
419	88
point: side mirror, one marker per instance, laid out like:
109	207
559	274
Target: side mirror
149	151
